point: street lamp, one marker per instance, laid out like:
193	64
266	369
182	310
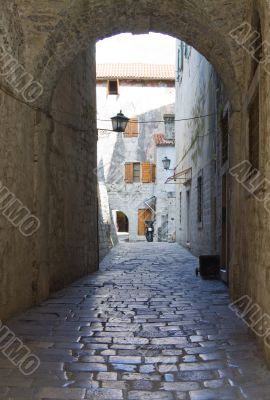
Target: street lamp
166	163
119	122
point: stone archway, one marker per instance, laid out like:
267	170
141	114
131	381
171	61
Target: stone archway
122	222
204	26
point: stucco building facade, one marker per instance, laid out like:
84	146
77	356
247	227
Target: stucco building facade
201	211
130	163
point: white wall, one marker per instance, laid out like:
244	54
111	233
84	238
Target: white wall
196	148
149	102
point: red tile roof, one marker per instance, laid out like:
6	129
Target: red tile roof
159	139
136	71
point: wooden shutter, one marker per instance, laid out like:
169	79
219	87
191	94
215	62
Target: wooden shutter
129	172
132	128
146	172
153	172
143	215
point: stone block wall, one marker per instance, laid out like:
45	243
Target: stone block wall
48	160
107	232
72	179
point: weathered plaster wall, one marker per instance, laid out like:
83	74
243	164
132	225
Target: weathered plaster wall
165	193
149	101
196	93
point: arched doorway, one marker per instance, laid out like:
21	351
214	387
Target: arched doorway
122	222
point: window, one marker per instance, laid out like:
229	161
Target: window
254	130
180	61
132	129
136	172
148	172
225	137
200	199
113	87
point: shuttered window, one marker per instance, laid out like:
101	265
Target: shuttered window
148	172
143	215
129	172
136	172
132	129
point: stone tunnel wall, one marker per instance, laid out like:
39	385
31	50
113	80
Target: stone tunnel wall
42	35
106	228
49	164
72	178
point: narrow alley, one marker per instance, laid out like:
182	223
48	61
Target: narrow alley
143	327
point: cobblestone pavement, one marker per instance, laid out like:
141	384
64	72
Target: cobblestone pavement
143	327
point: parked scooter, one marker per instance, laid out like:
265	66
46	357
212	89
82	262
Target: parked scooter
149	231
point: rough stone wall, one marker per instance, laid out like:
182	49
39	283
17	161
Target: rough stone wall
250	228
106	228
56	31
49	166
18	173
72	178
46	37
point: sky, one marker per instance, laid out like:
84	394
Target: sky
153	48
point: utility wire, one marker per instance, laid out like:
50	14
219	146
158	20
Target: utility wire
176	120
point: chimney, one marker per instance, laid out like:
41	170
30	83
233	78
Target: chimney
169	126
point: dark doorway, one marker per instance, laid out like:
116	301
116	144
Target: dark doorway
122	222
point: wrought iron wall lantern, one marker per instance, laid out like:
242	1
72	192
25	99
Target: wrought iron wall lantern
119	122
183	177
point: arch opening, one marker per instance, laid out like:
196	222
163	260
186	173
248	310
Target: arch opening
122	222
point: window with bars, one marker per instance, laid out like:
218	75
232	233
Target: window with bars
200	199
254	130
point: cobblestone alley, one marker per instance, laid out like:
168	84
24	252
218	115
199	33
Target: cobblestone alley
143	327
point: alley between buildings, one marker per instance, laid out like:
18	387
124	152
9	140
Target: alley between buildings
143	327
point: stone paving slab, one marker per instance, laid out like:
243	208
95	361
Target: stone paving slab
143	327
